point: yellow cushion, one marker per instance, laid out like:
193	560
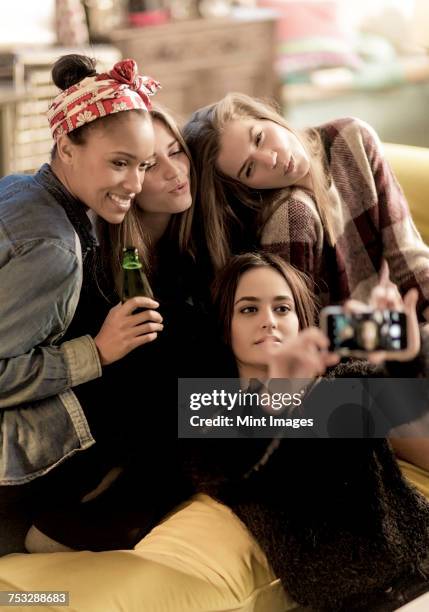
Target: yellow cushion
201	558
417	476
411	167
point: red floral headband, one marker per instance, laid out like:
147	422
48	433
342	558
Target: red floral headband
97	96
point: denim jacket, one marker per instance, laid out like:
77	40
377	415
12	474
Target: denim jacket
45	235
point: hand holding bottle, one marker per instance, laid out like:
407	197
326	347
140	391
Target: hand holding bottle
123	331
134	279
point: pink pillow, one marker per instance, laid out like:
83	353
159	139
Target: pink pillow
310	35
306	18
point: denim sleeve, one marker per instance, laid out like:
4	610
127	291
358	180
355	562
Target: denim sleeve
39	289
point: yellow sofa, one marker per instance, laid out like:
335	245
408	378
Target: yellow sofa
411	167
201	558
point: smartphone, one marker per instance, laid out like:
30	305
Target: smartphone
364	332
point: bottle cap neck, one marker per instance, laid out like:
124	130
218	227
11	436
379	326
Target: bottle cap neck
130	258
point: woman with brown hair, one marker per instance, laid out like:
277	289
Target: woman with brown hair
159	226
339	524
324	198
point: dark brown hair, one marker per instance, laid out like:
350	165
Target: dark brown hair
226	282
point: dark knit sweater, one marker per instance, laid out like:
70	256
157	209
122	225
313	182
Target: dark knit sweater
336	519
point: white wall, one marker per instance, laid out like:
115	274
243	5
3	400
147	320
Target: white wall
422	22
359	10
27	22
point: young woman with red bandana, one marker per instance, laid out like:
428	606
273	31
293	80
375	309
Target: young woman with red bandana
104	140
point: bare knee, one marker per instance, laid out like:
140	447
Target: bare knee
37	542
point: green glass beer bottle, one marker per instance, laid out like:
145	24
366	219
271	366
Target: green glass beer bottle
134	280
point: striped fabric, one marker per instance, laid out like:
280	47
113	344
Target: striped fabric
371	222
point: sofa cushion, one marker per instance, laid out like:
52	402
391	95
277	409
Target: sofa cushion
201	558
411	167
418	477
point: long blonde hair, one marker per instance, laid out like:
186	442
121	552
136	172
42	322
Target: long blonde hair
132	230
217	192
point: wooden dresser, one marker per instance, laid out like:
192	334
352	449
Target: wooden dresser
199	61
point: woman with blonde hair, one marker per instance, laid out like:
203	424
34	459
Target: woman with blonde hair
324	198
159	226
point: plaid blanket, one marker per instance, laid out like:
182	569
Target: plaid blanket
371	220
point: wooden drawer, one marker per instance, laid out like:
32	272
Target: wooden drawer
163	48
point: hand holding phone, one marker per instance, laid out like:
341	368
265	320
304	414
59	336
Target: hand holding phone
358	331
367	331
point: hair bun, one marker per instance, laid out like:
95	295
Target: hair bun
70	69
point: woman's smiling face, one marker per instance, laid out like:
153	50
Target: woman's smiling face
107	171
